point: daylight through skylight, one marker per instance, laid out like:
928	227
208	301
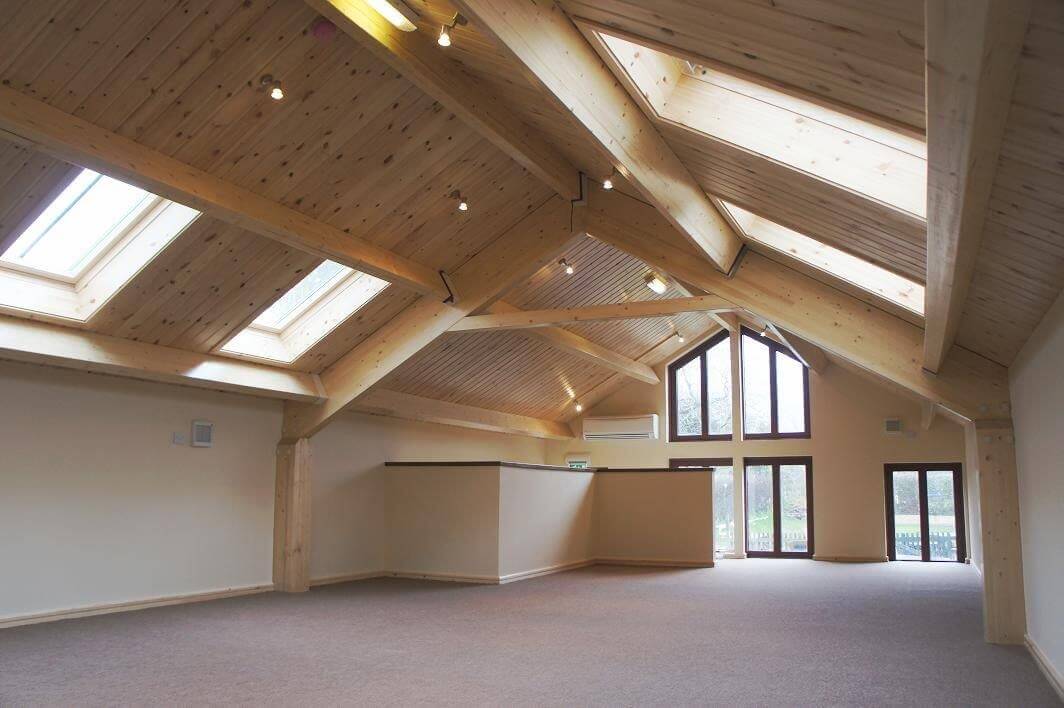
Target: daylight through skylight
303	295
88	215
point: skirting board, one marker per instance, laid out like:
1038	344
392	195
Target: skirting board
346	578
525	575
129	606
851	559
655	562
1052	675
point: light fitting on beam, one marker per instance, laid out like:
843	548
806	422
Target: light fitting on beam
397	12
577	406
680	337
764	331
273	87
463	203
444	40
607	183
655	283
569	270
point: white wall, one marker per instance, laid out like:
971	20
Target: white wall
847	446
97	507
1037	389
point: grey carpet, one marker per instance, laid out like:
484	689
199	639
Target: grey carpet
756	632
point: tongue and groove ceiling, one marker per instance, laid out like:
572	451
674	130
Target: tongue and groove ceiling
357	146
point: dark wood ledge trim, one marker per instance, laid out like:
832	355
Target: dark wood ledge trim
532	466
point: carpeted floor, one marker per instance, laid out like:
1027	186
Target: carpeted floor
761	632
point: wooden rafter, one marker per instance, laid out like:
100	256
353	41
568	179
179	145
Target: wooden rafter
429	410
72	139
40	343
417	58
969	385
572	343
635	309
973	50
543	39
516	255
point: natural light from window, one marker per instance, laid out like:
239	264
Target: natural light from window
837	263
315	306
86	217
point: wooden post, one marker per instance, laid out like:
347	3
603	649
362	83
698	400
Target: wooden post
291	518
739	500
1004	613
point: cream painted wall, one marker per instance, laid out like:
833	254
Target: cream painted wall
545	519
350	522
654	516
1037	389
98	507
847	447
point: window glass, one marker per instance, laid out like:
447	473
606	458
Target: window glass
723	510
302	296
688	384
760	526
718	381
790	394
794	509
757	401
89	214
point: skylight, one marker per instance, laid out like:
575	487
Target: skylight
861	155
856	271
90	214
305	293
315	306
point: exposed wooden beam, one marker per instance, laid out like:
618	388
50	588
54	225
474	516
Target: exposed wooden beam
927	415
969	385
973	50
40	343
428	410
544	40
811	356
635	309
291	517
417	57
514	256
74	140
572	343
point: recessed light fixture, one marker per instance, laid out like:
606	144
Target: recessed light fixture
444	40
655	283
578	406
463	203
397	12
569	270
273	87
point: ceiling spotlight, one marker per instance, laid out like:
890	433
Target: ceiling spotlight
578	406
680	338
655	283
607	183
463	205
764	331
444	40
569	270
272	86
396	12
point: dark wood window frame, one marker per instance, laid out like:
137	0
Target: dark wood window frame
714	462
773	348
777	532
922	469
696	353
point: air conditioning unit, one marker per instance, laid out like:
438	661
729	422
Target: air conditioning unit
623	427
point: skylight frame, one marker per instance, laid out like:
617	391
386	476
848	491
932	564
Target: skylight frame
326	290
107	243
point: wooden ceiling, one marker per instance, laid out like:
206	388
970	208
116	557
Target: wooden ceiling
359	147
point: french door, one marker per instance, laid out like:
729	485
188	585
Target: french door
925	512
779	506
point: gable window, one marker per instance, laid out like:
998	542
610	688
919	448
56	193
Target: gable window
775	389
84	245
700	393
315	306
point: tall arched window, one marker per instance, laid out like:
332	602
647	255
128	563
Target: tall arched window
775	390
700	393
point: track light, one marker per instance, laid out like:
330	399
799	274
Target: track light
578	406
463	203
444	40
272	86
569	270
655	283
764	331
396	12
680	337
607	183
